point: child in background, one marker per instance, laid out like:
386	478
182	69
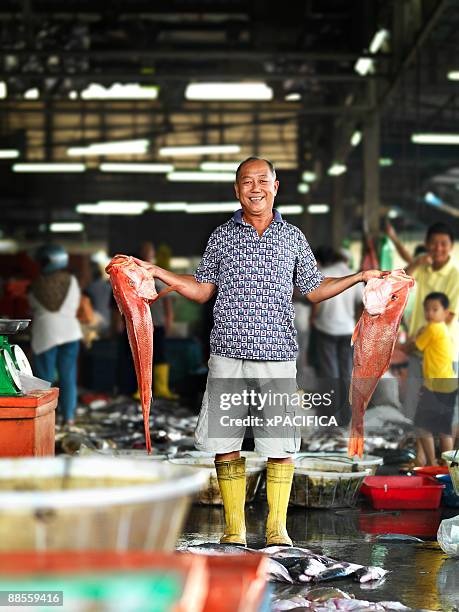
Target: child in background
435	409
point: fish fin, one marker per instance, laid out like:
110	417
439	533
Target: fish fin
163	293
356	332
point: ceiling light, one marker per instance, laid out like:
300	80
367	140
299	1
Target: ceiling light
66	227
113	208
432	199
153	168
9	153
73	95
384	162
426	138
169	206
393	213
119	91
364	65
356	138
3	89
32	94
198	150
109	148
293	97
210	207
303	188
308	176
453	75
318	209
228	91
337	169
201	177
51	167
378	40
290	209
219	166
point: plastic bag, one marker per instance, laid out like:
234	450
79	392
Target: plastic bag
448	536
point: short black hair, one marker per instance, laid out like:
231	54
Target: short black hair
438	295
419	250
253	158
439	228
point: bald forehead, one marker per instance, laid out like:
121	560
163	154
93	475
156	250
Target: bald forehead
255	168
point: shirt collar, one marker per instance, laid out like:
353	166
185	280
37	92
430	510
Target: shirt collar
446	269
237	217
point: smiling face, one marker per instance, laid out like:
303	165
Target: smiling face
256	188
434	312
439	247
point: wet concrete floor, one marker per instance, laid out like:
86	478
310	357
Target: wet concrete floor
421	575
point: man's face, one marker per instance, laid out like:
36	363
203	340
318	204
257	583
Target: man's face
439	247
256	188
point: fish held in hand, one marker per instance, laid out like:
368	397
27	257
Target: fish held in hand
374	340
134	289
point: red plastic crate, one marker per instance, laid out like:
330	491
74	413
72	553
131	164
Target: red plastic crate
402	492
431	470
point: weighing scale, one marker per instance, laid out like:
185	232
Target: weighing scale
12	357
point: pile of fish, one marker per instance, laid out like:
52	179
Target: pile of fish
326	600
297	565
118	424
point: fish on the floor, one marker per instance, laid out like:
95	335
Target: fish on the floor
301	565
374	340
397	537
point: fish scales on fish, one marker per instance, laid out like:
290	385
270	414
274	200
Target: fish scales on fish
374	339
134	290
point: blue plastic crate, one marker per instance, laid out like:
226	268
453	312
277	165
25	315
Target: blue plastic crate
448	497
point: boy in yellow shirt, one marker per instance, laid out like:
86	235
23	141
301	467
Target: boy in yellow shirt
435	408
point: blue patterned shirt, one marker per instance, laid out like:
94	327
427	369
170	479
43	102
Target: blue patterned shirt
255	276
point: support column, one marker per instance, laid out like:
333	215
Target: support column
371	149
337	213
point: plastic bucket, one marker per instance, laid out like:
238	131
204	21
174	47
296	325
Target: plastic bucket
93	503
452	460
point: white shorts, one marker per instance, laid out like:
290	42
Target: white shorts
279	441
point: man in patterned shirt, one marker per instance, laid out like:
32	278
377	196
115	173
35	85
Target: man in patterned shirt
253	262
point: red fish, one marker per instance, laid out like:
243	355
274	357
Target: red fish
374	340
134	290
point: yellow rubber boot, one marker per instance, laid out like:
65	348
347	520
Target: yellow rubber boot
231	479
161	382
279	478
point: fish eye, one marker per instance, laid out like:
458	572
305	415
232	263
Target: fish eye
393	297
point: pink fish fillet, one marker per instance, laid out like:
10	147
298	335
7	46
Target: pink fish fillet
374	340
134	290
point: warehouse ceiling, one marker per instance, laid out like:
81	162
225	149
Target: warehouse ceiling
52	53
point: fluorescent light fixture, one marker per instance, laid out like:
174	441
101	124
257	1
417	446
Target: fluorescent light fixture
432	199
198	150
219	166
210	207
109	148
169	206
290	209
303	188
364	65
147	168
51	167
308	176
427	138
66	227
356	138
453	75
113	208
393	214
119	91
3	90
318	209
228	91
337	169
201	177
378	40
384	162
32	94
73	95
9	153
293	97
